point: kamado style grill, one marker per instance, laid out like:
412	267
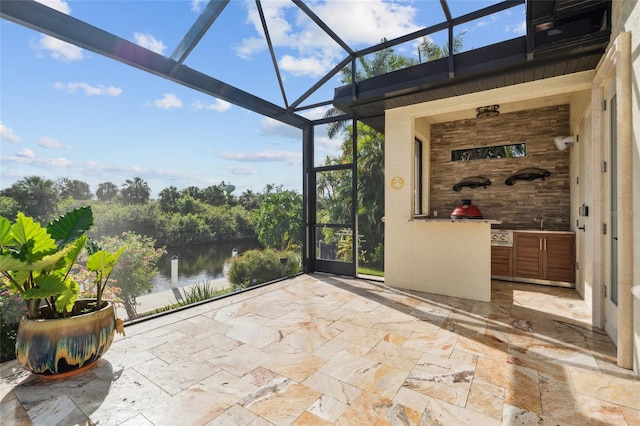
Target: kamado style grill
466	211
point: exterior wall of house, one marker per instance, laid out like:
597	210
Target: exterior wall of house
446	258
427	256
626	18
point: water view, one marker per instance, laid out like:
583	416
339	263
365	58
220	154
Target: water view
197	264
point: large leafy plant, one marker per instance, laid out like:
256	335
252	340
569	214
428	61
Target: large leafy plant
37	262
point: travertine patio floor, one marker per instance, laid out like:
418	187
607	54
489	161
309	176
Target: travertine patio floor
320	350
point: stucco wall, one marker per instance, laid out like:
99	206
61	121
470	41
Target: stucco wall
626	17
451	259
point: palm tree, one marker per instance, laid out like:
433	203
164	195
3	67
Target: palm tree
381	62
135	191
37	197
106	191
432	51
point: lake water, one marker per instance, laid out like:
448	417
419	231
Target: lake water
197	264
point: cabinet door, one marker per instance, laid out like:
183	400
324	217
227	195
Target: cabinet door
560	257
527	262
502	261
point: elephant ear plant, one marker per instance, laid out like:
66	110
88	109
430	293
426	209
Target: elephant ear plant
37	262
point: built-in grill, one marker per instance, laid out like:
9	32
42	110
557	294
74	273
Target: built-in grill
501	237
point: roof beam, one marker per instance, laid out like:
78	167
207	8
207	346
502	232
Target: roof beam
48	21
265	28
198	29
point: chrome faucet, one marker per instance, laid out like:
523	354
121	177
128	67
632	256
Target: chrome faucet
539	219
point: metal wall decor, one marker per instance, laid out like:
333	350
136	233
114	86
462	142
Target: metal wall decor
531	173
472	182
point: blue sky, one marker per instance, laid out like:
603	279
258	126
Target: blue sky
68	112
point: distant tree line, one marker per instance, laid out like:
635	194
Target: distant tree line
191	215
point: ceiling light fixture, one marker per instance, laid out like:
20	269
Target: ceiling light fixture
488	111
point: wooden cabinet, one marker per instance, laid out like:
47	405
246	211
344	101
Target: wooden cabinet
544	256
501	262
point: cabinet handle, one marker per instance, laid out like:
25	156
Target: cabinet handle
540	244
545	244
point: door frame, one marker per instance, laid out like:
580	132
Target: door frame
615	63
311	262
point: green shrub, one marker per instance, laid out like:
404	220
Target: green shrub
260	266
11	310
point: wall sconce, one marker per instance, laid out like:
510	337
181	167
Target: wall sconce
563	141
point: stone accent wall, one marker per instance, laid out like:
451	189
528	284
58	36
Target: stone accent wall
516	205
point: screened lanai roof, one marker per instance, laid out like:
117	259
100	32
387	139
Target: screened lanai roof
311	43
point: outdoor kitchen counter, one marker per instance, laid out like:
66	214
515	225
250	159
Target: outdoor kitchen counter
452	257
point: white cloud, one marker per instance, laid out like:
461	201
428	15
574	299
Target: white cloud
25	153
314	67
487	21
315	113
49	143
244	169
168	101
7	134
521	28
196	5
88	89
326	146
58	49
264	156
59	5
367	22
219	105
355	22
150	42
271	127
27	157
249	46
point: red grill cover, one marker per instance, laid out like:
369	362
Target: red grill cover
466	211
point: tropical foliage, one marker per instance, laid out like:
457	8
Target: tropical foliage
260	266
37	197
38	262
279	223
429	50
136	269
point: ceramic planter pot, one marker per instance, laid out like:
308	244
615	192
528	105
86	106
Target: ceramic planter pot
65	346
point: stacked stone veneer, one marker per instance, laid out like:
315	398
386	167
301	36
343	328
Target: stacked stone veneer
516	205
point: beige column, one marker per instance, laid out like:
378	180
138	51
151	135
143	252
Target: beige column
615	64
624	203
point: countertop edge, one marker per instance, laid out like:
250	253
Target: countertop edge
443	220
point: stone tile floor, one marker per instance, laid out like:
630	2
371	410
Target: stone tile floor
324	350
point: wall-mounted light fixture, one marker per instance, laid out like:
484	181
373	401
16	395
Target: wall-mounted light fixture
488	111
562	142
